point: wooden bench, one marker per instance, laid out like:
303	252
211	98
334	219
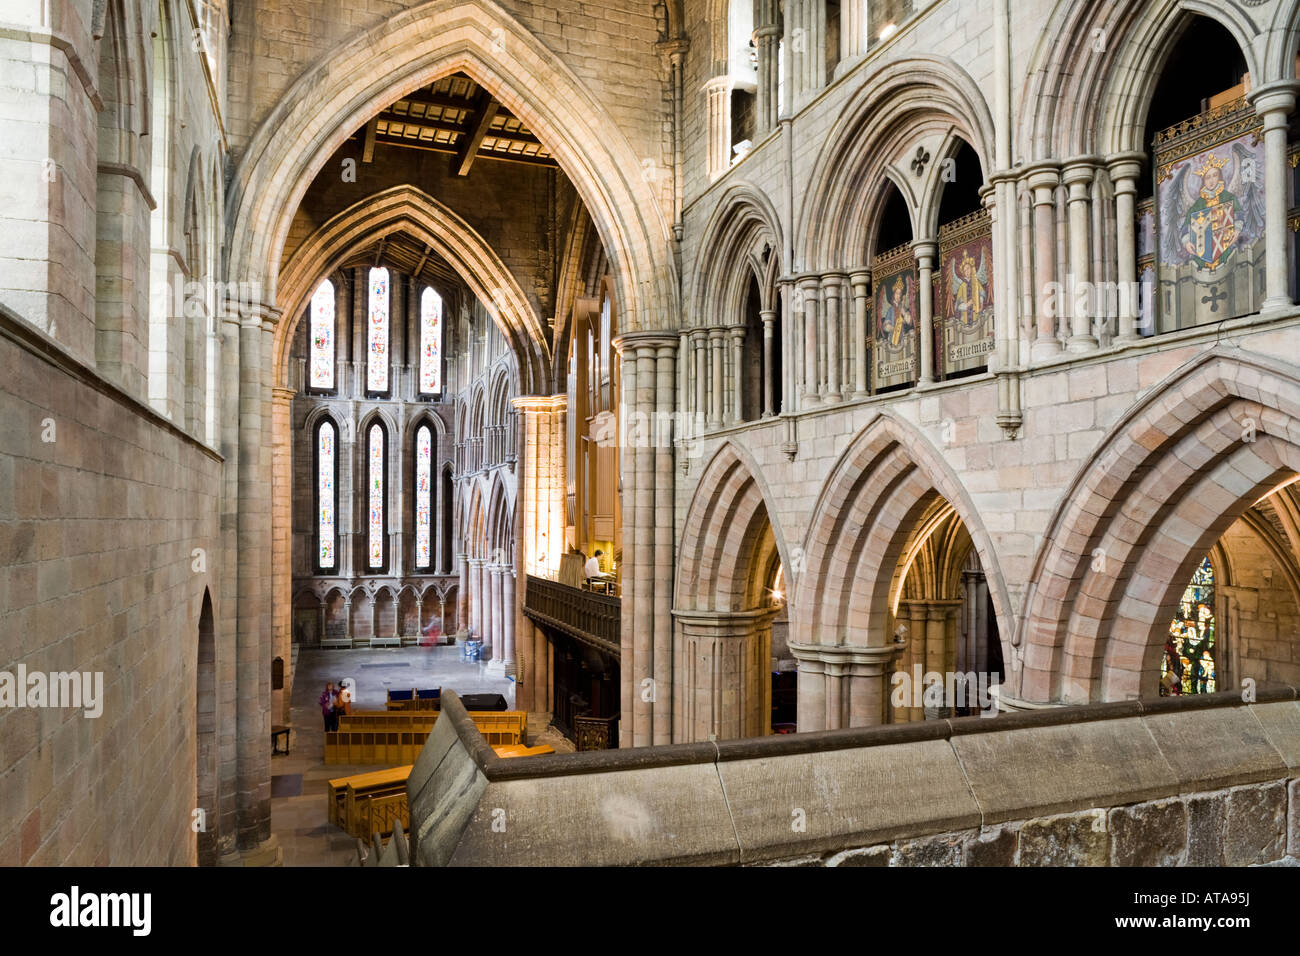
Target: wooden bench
336	642
350	798
521	750
373	737
385	642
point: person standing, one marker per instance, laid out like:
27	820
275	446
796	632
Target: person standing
327	706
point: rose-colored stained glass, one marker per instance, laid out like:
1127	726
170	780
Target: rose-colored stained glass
325	528
321	360
430	343
376	486
377	333
423	495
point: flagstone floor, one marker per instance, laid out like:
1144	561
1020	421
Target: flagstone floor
298	781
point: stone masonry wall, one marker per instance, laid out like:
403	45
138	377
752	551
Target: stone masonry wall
108	539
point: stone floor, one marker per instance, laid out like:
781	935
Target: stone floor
298	781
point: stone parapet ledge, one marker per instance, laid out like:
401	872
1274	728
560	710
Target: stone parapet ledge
818	795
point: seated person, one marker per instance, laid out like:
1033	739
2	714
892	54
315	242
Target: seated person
592	568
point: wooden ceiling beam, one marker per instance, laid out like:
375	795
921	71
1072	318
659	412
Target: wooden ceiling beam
485	110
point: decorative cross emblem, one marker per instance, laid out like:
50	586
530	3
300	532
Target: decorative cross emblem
1214	298
922	157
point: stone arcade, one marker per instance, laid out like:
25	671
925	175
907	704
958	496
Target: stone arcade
863	338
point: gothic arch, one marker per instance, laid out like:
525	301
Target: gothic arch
903	100
1080	99
742	221
881	487
722	536
409	50
1171	476
408	209
1283	42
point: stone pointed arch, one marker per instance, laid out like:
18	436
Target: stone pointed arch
1096	69
720	663
408	209
1169	478
880	486
743	219
727	516
891	107
410	50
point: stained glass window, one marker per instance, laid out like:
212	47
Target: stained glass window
376	486
1189	666
321	359
430	343
325	495
377	333
423	495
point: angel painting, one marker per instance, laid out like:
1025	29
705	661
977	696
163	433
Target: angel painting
1211	204
896	318
968	288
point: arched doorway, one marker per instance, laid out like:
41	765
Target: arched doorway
205	735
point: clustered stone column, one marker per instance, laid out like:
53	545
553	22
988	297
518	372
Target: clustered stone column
841	685
830	335
539	541
646	666
930	629
725	692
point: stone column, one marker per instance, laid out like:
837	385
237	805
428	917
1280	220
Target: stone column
809	293
497	627
699	343
475	598
665	354
725	692
1275	102
767	38
254	633
717	340
540	527
1077	176
841	685
769	322
860	282
718	105
855	30
831	292
508	583
926	251
1124	170
648	538
737	404
282	541
1043	179
462	593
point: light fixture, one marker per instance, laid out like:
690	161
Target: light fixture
888	31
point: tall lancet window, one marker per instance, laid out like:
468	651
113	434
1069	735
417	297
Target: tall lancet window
321	361
430	343
326	496
423	496
375	486
377	333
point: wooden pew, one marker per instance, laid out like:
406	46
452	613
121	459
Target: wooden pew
383	737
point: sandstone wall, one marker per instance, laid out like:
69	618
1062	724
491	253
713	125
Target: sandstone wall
108	541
